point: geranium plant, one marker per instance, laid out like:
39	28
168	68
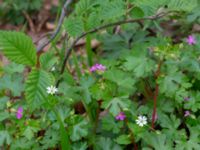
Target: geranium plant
139	89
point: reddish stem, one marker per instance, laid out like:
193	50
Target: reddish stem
155	96
154	106
135	146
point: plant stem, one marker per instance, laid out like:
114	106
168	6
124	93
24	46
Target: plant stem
88	43
57	30
154	105
97	119
65	141
132	135
155	96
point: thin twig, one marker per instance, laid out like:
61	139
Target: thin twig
42	36
57	30
69	50
30	22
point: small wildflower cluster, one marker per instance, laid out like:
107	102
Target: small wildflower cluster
53	68
186	113
141	121
191	40
186	98
19	113
52	90
121	116
97	67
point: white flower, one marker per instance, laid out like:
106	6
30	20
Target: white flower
53	68
141	121
52	90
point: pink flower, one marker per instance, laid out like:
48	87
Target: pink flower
120	116
186	113
186	98
191	40
97	67
19	113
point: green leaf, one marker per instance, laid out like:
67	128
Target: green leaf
80	146
170	127
170	123
48	60
106	144
150	7
102	90
64	136
192	143
86	83
29	132
116	105
14	68
109	124
194	102
24	143
63	112
4	115
194	15
5	138
18	47
113	9
121	78
141	66
123	139
50	139
93	20
12	83
79	130
137	12
137	130
74	26
171	82
113	45
35	88
82	6
182	5
3	101
157	141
